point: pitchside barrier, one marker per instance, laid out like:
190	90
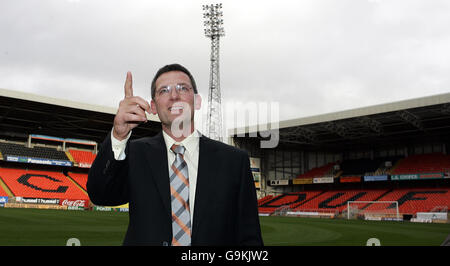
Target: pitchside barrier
431	217
109	209
3	201
41	203
35	206
56	204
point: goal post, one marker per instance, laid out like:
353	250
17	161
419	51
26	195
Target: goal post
380	209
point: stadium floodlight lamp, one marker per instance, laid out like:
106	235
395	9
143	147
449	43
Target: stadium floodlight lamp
213	19
214	30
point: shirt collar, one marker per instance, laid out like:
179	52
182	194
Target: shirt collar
190	143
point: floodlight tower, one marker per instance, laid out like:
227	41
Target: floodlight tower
214	30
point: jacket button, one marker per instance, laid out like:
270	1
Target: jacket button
165	243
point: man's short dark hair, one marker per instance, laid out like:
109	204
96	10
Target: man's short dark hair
169	68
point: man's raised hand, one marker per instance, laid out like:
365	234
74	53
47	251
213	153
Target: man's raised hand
131	111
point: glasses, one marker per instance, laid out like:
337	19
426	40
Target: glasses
182	89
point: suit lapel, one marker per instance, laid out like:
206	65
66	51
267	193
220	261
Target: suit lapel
205	165
157	158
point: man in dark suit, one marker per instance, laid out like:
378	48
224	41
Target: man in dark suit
182	188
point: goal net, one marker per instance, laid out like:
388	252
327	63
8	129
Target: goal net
373	210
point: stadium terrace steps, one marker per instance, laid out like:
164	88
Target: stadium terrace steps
40	184
70	157
79	179
4	190
78	185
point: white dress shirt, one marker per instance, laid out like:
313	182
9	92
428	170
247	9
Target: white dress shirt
191	154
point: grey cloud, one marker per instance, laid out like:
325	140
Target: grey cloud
310	56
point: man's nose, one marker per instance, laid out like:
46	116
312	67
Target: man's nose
174	93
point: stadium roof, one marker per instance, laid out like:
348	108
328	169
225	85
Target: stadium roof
421	119
22	114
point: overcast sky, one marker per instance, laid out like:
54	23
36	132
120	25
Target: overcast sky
310	56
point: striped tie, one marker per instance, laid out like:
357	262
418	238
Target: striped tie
179	190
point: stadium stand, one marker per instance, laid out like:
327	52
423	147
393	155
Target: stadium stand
328	138
3	193
80	179
321	171
14	149
264	199
410	200
40	184
289	199
333	199
336	200
366	166
423	163
82	157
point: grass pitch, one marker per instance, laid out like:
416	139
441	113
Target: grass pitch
32	227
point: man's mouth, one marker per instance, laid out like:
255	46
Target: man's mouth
175	109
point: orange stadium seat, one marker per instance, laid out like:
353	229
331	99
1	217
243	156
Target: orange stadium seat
318	171
336	200
292	200
40	184
411	201
264	199
423	163
81	179
3	192
83	157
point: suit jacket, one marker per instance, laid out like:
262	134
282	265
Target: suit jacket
225	210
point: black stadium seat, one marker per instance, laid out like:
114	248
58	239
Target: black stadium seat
35	152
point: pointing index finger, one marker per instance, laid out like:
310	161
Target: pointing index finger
129	85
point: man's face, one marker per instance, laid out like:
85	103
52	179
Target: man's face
171	104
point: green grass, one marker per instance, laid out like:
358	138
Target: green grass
54	227
33	227
291	231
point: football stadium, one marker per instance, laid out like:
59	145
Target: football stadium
374	175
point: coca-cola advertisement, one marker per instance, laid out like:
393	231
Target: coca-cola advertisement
74	203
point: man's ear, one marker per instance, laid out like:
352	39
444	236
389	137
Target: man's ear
197	101
153	107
